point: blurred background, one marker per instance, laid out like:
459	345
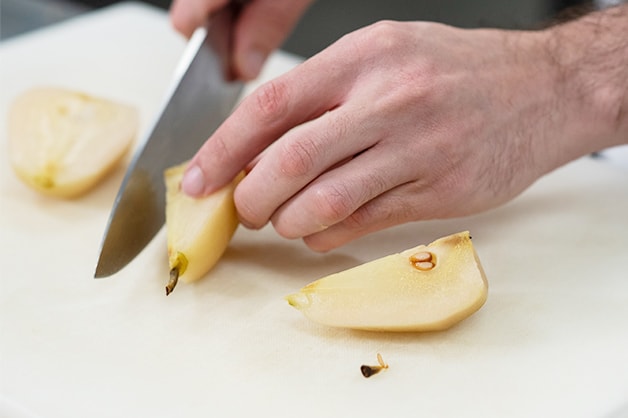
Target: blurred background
326	20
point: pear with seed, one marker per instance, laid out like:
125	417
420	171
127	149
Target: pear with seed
425	288
63	142
198	229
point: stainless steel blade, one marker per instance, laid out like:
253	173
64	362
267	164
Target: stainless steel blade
200	98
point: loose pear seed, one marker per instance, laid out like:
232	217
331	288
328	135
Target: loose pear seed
368	371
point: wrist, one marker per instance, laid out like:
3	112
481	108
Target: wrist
590	61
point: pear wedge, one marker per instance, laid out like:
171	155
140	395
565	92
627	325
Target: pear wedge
198	230
425	288
63	142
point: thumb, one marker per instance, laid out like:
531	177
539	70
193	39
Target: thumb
262	27
187	15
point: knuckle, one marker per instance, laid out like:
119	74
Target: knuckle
298	158
383	29
271	100
383	35
373	183
341	125
284	228
333	203
368	43
220	150
370	213
358	219
302	154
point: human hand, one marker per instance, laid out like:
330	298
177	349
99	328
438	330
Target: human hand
397	122
260	28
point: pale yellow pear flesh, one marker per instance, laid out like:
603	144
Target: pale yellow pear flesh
393	294
198	229
63	142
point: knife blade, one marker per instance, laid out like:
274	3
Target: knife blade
201	96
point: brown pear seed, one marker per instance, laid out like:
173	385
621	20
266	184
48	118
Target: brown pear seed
423	260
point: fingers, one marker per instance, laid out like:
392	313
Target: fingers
405	203
262	27
262	117
301	156
187	15
337	194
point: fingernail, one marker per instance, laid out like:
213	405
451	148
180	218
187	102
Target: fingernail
253	63
193	182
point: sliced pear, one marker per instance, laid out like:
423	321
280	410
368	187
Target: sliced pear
198	230
63	142
425	288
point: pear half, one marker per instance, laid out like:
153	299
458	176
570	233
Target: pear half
198	229
425	288
63	142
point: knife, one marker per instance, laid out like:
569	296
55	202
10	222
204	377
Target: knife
201	96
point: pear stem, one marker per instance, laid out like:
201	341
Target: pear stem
174	278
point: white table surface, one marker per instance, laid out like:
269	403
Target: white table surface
551	341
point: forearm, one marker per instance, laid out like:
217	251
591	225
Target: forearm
591	61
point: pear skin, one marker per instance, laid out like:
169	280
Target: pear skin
425	288
198	229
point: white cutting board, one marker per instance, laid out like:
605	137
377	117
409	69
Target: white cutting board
551	341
